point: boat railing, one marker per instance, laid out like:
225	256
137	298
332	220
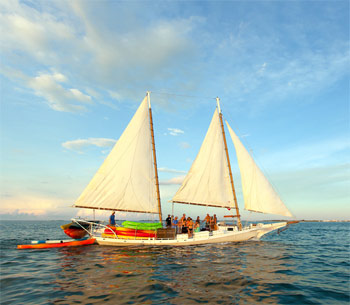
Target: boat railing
93	225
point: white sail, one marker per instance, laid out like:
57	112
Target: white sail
208	182
259	195
126	179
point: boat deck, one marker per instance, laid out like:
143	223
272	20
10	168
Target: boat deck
224	234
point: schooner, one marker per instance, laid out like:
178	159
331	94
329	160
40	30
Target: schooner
128	181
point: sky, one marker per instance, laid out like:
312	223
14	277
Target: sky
73	73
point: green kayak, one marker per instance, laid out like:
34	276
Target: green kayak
142	225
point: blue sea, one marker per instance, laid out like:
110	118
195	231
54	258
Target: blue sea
307	264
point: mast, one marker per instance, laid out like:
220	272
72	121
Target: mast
154	157
229	166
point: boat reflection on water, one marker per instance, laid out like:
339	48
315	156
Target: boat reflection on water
253	272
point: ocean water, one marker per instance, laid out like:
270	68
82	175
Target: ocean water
307	264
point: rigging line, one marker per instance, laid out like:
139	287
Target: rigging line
183	95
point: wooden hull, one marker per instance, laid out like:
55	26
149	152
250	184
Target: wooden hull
57	244
220	236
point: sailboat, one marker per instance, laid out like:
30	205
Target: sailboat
128	181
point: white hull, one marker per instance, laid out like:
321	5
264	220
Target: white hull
222	235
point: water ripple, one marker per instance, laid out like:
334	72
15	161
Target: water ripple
307	264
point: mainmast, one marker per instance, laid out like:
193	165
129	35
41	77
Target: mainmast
154	157
229	166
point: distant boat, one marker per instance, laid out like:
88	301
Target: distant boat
128	181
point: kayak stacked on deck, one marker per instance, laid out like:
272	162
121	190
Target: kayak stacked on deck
133	230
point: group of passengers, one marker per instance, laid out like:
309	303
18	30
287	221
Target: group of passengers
186	225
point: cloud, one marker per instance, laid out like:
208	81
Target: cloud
278	81
34	205
311	154
185	145
176	180
115	95
244	135
113	55
40	33
80	144
262	69
99	214
170	170
52	86
175	131
323	191
59	98
268	67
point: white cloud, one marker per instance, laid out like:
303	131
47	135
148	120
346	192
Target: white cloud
115	58
303	75
262	69
80	96
170	170
185	145
40	33
245	135
80	144
99	214
322	191
58	97
268	68
175	180
35	205
175	131
308	155
59	78
117	96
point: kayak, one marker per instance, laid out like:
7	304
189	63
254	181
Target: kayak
142	225
43	244
106	235
130	232
76	230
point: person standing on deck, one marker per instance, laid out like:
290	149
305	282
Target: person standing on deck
197	225
112	219
207	222
182	224
211	224
175	224
168	221
215	222
189	225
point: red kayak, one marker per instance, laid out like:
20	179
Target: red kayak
76	230
130	232
57	244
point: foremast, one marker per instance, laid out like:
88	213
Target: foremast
229	166
154	158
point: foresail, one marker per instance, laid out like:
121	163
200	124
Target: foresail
208	183
259	195
126	179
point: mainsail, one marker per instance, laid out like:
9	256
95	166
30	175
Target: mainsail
208	182
258	194
126	181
